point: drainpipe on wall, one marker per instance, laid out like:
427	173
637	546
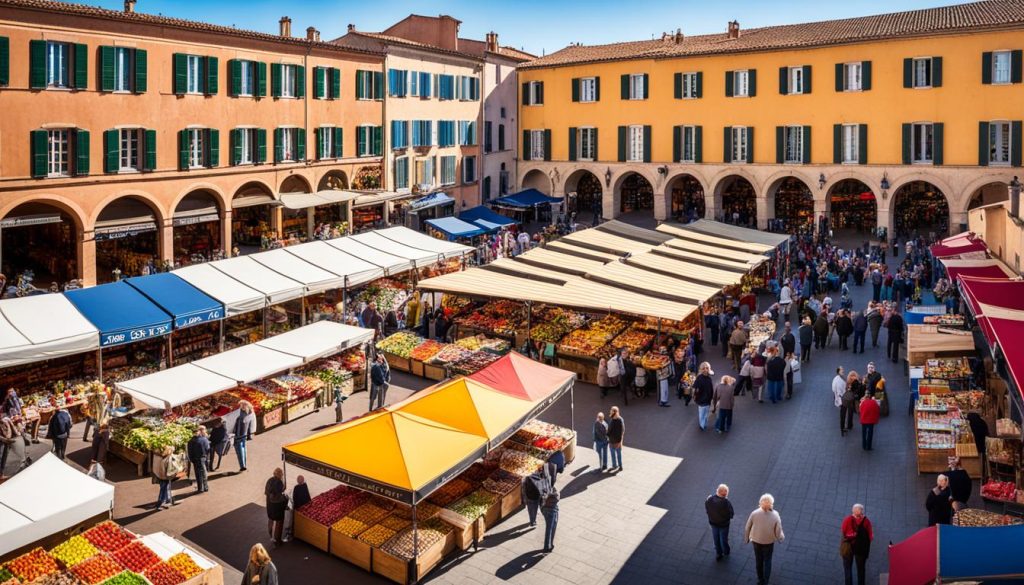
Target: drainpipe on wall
310	211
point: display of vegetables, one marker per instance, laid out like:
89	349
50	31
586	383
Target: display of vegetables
501	482
474	505
33	565
136	557
426	350
147	434
73	551
450	492
183	563
330	506
126	578
377	535
108	536
97	569
388	294
400	344
519	463
5	575
163	574
58	579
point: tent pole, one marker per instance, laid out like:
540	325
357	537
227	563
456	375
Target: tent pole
221	344
265	322
412	572
99	363
170	350
529	325
302	320
572	407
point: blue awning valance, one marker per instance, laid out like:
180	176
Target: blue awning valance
486	218
455	228
432	200
186	303
120	312
526	198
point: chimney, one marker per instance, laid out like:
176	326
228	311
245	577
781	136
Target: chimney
1015	197
679	35
351	28
129	6
734	29
286	26
492	42
312	34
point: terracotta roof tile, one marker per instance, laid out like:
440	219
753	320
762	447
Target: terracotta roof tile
990	14
353	39
479	48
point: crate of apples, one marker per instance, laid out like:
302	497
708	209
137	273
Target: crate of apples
136	557
73	551
184	564
33	565
97	569
163	574
108	536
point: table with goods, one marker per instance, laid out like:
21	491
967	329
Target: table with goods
943	352
941	431
108	554
1003	464
406	351
761	329
379	535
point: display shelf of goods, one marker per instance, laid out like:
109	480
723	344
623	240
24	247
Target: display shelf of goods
424	511
474	505
501	317
450	354
368	514
32	565
388	294
184	564
537	452
934	440
481	342
947	368
400	344
1006	427
126	578
404	570
426	535
540	429
1001	450
136	557
946	320
348	547
349	527
519	463
6	575
97	569
426	350
652	362
395	523
1003	491
152	434
455	305
58	579
979	517
377	535
474	363
451	491
108	536
971	400
593	340
501	482
334	504
937	421
73	551
163	574
761	329
479	471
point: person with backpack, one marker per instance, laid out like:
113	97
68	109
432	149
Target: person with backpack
856	544
166	469
549	506
58	431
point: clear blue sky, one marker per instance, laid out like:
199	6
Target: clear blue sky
536	26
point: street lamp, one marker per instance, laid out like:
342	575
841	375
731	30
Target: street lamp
821	181
884	186
608	177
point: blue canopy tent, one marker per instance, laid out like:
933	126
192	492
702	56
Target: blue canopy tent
486	218
432	200
428	207
526	198
957	553
187	304
453	228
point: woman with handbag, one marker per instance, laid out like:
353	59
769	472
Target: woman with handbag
166	468
856	544
277	502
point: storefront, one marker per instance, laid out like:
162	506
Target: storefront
920	207
314	215
853	207
636	194
794	207
127	240
39	239
687	198
197	229
252	224
587	196
739	202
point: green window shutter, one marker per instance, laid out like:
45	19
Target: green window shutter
335	83
907	130
261	145
575	89
572	143
547	144
983	149
837	144
727	145
750	144
278	145
300	81
698	144
261	79
5	61
807	79
378	85
339	143
677	85
1015	137
865	75
235	73
540	93
624	82
212	147
986	67
141	81
752	82
81	72
40	146
319	82
360	85
149	162
525	155
677	142
840	78
180	73
182	150
525	99
1016	57
301	150
780	144
936	71
211	76
806	158
111	151
81	153
937	147
647	144
106	68
783	80
596	154
700	84
623	130
908	72
361	140
236	146
729	84
37	66
862	144
275	80
647	85
316	139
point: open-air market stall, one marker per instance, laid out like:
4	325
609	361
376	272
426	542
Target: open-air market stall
525	202
412	239
243	305
42	327
946	554
433	206
283	295
486	218
778	242
965	246
197	316
750	247
452	228
987	268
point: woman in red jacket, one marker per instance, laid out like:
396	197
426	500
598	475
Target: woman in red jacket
856	544
869	415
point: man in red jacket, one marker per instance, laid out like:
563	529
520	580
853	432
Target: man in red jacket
869	415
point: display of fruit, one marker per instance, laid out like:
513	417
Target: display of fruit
426	350
474	505
550	444
126	578
454	303
32	565
400	344
947	368
73	551
548	332
330	506
479	471
11	581
376	535
163	574
530	450
424	511
634	339
5	575
539	428
407	543
519	463
451	354
369	514
451	491
108	536
653	362
475	362
353	360
97	569
501	482
58	579
136	557
395	523
183	563
349	527
979	517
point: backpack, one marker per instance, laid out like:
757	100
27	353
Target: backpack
549	493
613	368
174	465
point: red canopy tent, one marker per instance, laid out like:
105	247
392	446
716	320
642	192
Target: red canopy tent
998	306
519	376
976	269
965	245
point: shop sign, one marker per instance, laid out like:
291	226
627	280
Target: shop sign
132	335
197	318
123	231
27	220
351	479
183	221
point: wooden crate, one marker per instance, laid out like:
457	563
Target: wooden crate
354	551
312	532
432	372
569	451
359	381
397	362
137	458
493	514
212	576
449	543
416	367
300	409
511	502
269	419
397	569
933	460
583	370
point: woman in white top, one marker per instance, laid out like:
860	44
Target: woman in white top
839	387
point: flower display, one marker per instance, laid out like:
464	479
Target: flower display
32	565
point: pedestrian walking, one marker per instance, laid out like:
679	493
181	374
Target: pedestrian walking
895	329
873	381
821	331
793	376
219	443
875	318
960	484
720	514
869	415
627	380
601	440
939	502
531	488
806	339
166	468
860	331
677	370
844	328
737	341
855	545
260	570
876	286
100	444
616	434
838	389
788	340
549	507
58	431
198	451
775	374
744	382
603	382
339	400
380	381
764	529
722	403
703	393
713	322
245	426
757	363
277	502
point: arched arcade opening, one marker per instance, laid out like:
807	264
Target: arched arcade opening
197	228
127	238
739	201
794	206
919	207
584	193
686	198
252	211
852	207
39	241
635	194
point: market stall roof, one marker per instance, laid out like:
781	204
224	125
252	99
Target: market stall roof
639	280
176	386
628	230
486	218
1007	334
332	259
237	297
557	261
317	340
679	231
713	253
368	198
525	198
983	268
314	278
560	246
410	456
686	270
704	259
120	312
429	201
390	263
964	245
46	498
186	303
522	377
609	243
415	239
248	363
276	287
306	200
454	227
379	242
735	233
958	553
990	298
42	327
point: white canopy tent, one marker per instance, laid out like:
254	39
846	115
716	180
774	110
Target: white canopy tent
47	498
276	287
248	362
379	242
314	278
235	295
43	327
334	260
176	386
389	262
414	239
317	340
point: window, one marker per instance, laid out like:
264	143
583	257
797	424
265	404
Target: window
448	170
502	112
246	78
469	169
425	172
422	133
690	88
58	153
196	148
414	87
922	72
796	80
852	73
369	140
999	143
1001	66
741	83
446	133
369	85
637	86
397	82
587	147
488	142
122	69
247	146
402	173
467	133
588	89
536	145
851	143
58	64
446	87
129	159
636	144
502	183
399	134
501	137
425	79
326	142
469	88
288	81
193	74
289	144
739	144
533	93
922	142
689	153
794	144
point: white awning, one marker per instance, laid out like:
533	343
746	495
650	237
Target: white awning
366	199
390	263
248	363
415	239
43	327
275	286
680	231
48	498
334	260
379	242
333	196
314	278
301	200
733	232
253	200
235	295
176	386
318	340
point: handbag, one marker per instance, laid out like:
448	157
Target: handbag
845	548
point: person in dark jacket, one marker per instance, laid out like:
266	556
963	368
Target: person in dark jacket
703	392
895	327
59	430
874	316
198	450
441	325
100	443
219	443
939	502
806	339
857	537
245	426
601	441
260	570
775	375
820	331
277	503
300	493
532	487
720	513
860	331
380	380
959	483
788	340
872	379
628	375
844	328
616	434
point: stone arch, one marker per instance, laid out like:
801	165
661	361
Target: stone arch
933	178
296	184
745	197
333	179
588	188
251	215
66	205
852	203
685	190
835	178
251	185
982	184
223	200
795	207
536	179
126	244
931	208
197	226
160	213
639	191
50	249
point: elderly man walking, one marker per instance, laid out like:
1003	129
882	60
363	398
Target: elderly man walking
737	341
720	513
764	529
